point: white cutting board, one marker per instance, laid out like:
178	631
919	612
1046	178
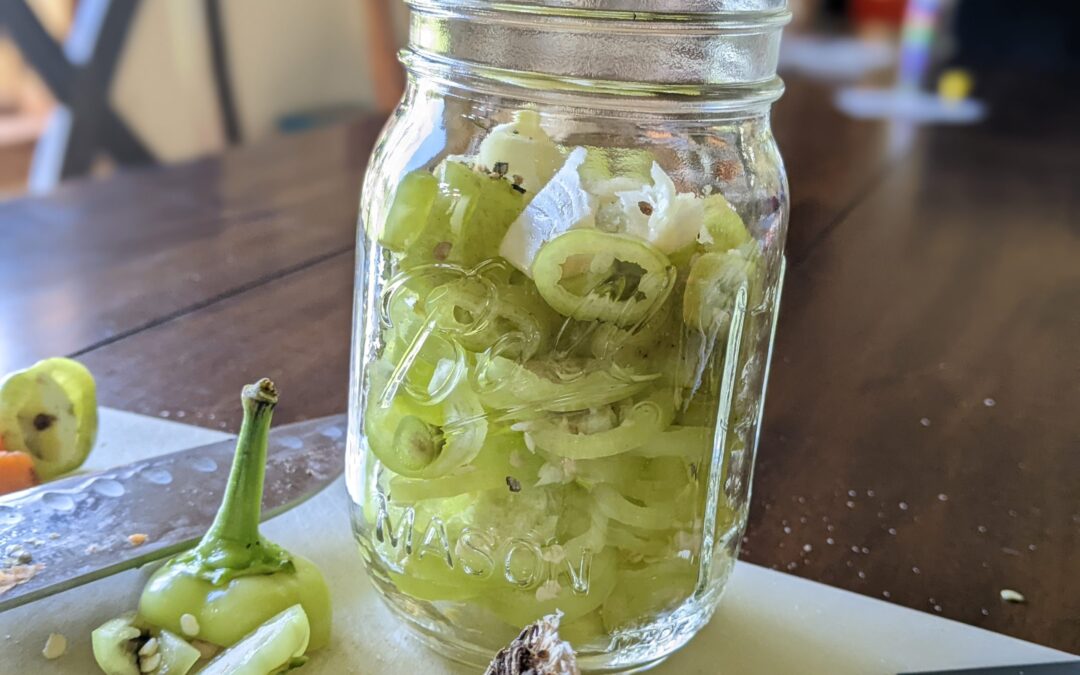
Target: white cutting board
768	624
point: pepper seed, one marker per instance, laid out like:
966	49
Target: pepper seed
1013	597
43	421
55	646
150	648
189	625
442	250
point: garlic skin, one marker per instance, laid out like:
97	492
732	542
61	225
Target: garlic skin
560	205
658	214
526	150
537	651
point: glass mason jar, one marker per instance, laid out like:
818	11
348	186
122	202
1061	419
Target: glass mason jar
568	274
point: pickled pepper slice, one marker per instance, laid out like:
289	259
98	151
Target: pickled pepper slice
410	210
589	275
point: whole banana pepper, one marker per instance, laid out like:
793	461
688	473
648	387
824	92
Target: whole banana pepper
234	580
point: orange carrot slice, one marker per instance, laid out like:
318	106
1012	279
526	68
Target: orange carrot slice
16	472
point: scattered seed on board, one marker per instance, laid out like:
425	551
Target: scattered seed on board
137	539
55	646
189	625
1011	596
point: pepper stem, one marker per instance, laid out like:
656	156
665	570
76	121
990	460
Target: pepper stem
236	526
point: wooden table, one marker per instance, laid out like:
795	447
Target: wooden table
922	437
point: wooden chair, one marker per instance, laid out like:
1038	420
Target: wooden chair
79	74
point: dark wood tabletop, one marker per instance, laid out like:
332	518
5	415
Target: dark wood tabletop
922	434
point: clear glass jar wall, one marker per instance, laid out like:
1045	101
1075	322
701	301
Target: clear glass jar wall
566	293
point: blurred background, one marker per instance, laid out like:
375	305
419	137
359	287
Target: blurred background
87	85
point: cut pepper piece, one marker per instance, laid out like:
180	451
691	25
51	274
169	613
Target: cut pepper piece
643	422
411	447
724	228
589	275
274	647
488	204
50	412
539	386
711	288
410	210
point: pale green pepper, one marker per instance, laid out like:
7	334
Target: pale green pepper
49	411
234	580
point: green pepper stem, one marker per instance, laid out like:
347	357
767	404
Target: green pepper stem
237	521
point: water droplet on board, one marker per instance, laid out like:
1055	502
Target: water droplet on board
291	442
9	516
58	501
332	433
989	402
156	476
107	487
204	464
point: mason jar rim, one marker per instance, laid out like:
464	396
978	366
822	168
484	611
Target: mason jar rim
756	12
548	45
599	97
